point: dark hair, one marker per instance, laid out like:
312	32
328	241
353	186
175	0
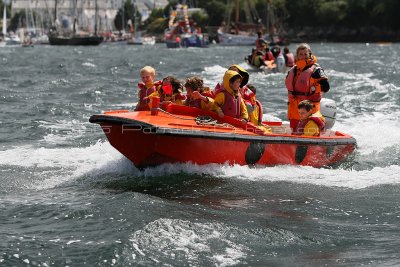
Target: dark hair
286	50
252	88
175	83
195	83
234	78
275	51
306	104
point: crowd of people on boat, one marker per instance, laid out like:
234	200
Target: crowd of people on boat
271	58
306	82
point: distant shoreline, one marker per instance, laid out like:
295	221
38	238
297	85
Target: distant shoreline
342	35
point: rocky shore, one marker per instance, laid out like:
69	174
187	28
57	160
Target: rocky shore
332	34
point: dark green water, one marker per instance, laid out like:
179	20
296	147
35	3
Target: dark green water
67	198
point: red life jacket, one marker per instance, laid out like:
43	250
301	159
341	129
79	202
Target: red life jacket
196	103
289	60
301	87
269	56
179	96
232	105
208	94
144	92
258	103
260	42
218	88
302	124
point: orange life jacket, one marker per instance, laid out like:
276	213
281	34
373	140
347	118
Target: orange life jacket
301	87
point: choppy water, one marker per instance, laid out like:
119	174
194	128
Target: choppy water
67	198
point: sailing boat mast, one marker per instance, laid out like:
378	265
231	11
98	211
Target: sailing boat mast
75	17
237	12
55	13
4	21
135	20
95	18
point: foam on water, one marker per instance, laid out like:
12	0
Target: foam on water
187	240
374	132
67	164
367	90
213	74
60	164
61	132
207	243
88	64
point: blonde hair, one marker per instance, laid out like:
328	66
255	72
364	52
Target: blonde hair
148	69
304	46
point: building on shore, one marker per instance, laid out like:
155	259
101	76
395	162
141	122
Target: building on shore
83	10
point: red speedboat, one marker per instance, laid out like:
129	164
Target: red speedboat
180	134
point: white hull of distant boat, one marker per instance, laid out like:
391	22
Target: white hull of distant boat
150	40
237	39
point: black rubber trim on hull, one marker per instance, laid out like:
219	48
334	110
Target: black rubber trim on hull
149	128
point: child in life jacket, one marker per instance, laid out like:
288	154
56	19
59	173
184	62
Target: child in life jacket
248	93
254	107
229	101
310	124
245	78
197	95
170	91
146	87
306	80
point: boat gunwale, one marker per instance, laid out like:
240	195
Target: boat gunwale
342	139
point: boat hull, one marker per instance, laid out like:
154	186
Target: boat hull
228	39
77	40
186	42
147	144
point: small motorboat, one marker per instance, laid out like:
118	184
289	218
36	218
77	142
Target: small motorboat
179	134
182	31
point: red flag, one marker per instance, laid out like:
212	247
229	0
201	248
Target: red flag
167	89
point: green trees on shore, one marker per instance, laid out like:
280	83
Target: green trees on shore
299	14
323	18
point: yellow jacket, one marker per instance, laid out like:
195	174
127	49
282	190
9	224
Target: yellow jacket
312	128
219	99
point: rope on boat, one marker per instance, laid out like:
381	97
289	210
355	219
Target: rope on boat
200	120
207	120
172	115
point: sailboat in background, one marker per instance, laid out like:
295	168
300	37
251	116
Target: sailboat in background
3	41
236	32
183	32
239	33
8	39
73	38
137	38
